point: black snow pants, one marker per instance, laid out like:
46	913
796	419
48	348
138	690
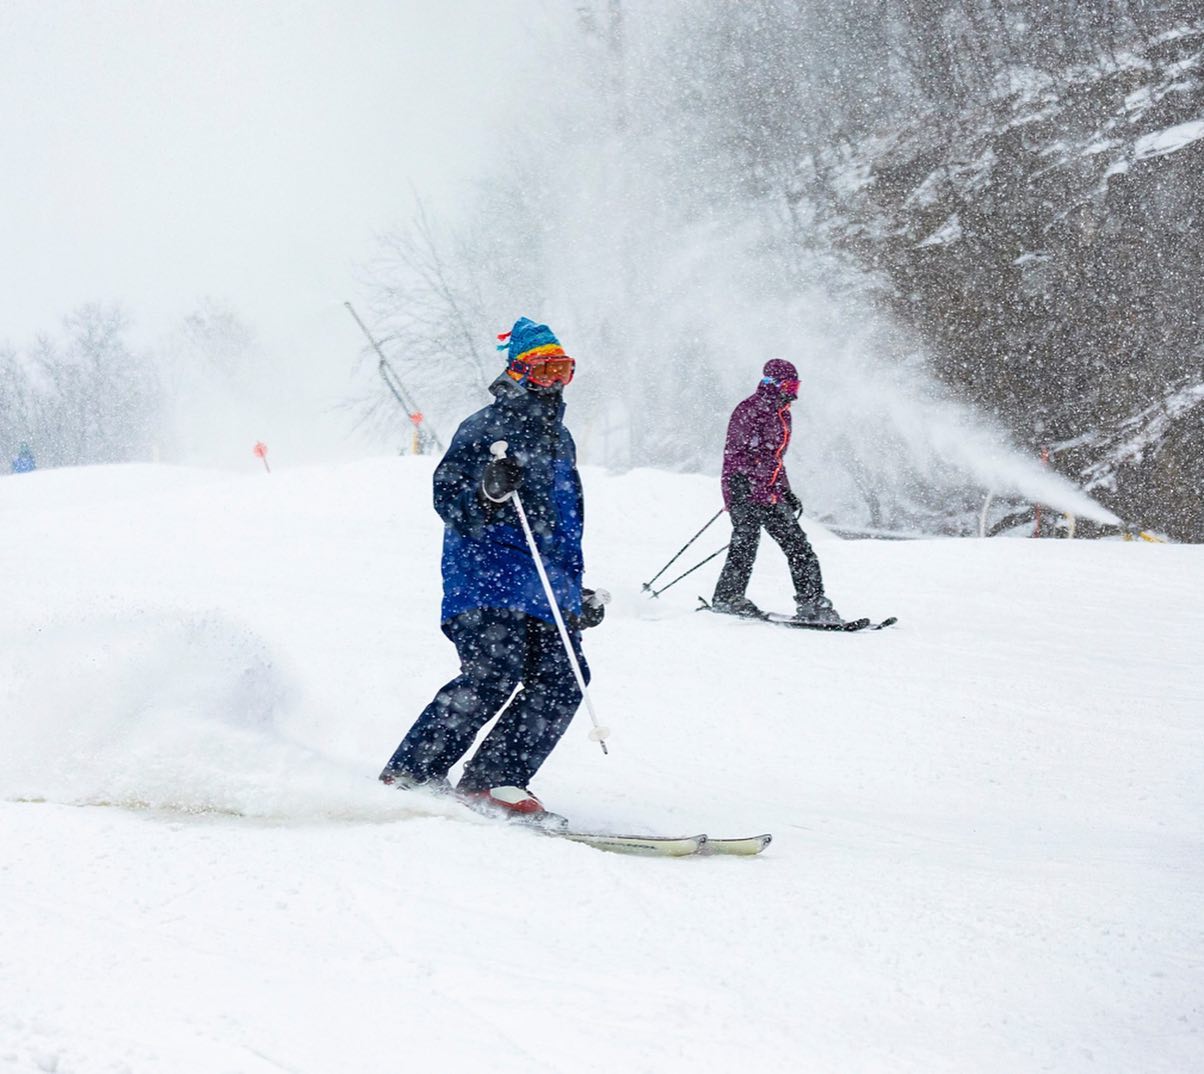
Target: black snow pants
748	519
498	649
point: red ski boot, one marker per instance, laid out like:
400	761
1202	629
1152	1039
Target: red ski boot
512	803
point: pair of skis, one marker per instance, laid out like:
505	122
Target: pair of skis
649	846
557	826
849	626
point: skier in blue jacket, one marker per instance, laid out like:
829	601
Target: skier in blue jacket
24	462
495	610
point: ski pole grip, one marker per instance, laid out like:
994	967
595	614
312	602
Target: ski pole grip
498	449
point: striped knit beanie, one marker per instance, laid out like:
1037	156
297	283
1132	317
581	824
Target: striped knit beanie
528	342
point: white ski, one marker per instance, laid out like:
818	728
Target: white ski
668	846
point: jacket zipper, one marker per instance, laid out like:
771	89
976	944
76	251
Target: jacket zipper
778	454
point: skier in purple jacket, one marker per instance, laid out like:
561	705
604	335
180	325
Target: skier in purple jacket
757	494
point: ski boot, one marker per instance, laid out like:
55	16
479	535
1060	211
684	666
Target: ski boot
737	605
403	781
511	803
819	610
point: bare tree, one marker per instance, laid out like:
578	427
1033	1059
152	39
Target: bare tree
84	397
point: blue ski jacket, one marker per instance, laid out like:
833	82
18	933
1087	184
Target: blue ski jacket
486	561
24	463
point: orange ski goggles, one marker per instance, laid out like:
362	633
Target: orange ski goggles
543	373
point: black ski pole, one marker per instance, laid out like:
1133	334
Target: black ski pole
648	584
658	592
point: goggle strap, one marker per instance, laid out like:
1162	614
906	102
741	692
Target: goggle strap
779	383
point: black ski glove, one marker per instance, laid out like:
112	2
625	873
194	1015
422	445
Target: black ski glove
593	607
793	502
501	477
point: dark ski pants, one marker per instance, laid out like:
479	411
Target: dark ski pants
748	519
498	649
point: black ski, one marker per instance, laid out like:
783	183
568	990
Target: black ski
849	626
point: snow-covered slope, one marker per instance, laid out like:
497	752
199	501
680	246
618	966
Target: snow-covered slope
987	820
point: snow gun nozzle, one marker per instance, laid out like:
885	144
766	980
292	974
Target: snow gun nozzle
498	449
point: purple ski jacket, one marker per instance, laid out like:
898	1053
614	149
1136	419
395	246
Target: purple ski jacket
757	437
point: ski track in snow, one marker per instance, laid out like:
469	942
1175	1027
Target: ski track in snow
988	848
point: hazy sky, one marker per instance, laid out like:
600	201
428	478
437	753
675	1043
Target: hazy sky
155	152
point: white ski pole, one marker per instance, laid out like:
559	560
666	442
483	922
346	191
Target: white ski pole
599	734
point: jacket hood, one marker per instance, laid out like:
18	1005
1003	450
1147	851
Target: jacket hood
510	393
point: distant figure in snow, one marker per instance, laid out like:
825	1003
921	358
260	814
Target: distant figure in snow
24	462
758	496
495	610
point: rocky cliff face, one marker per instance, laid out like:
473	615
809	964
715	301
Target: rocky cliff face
1048	242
